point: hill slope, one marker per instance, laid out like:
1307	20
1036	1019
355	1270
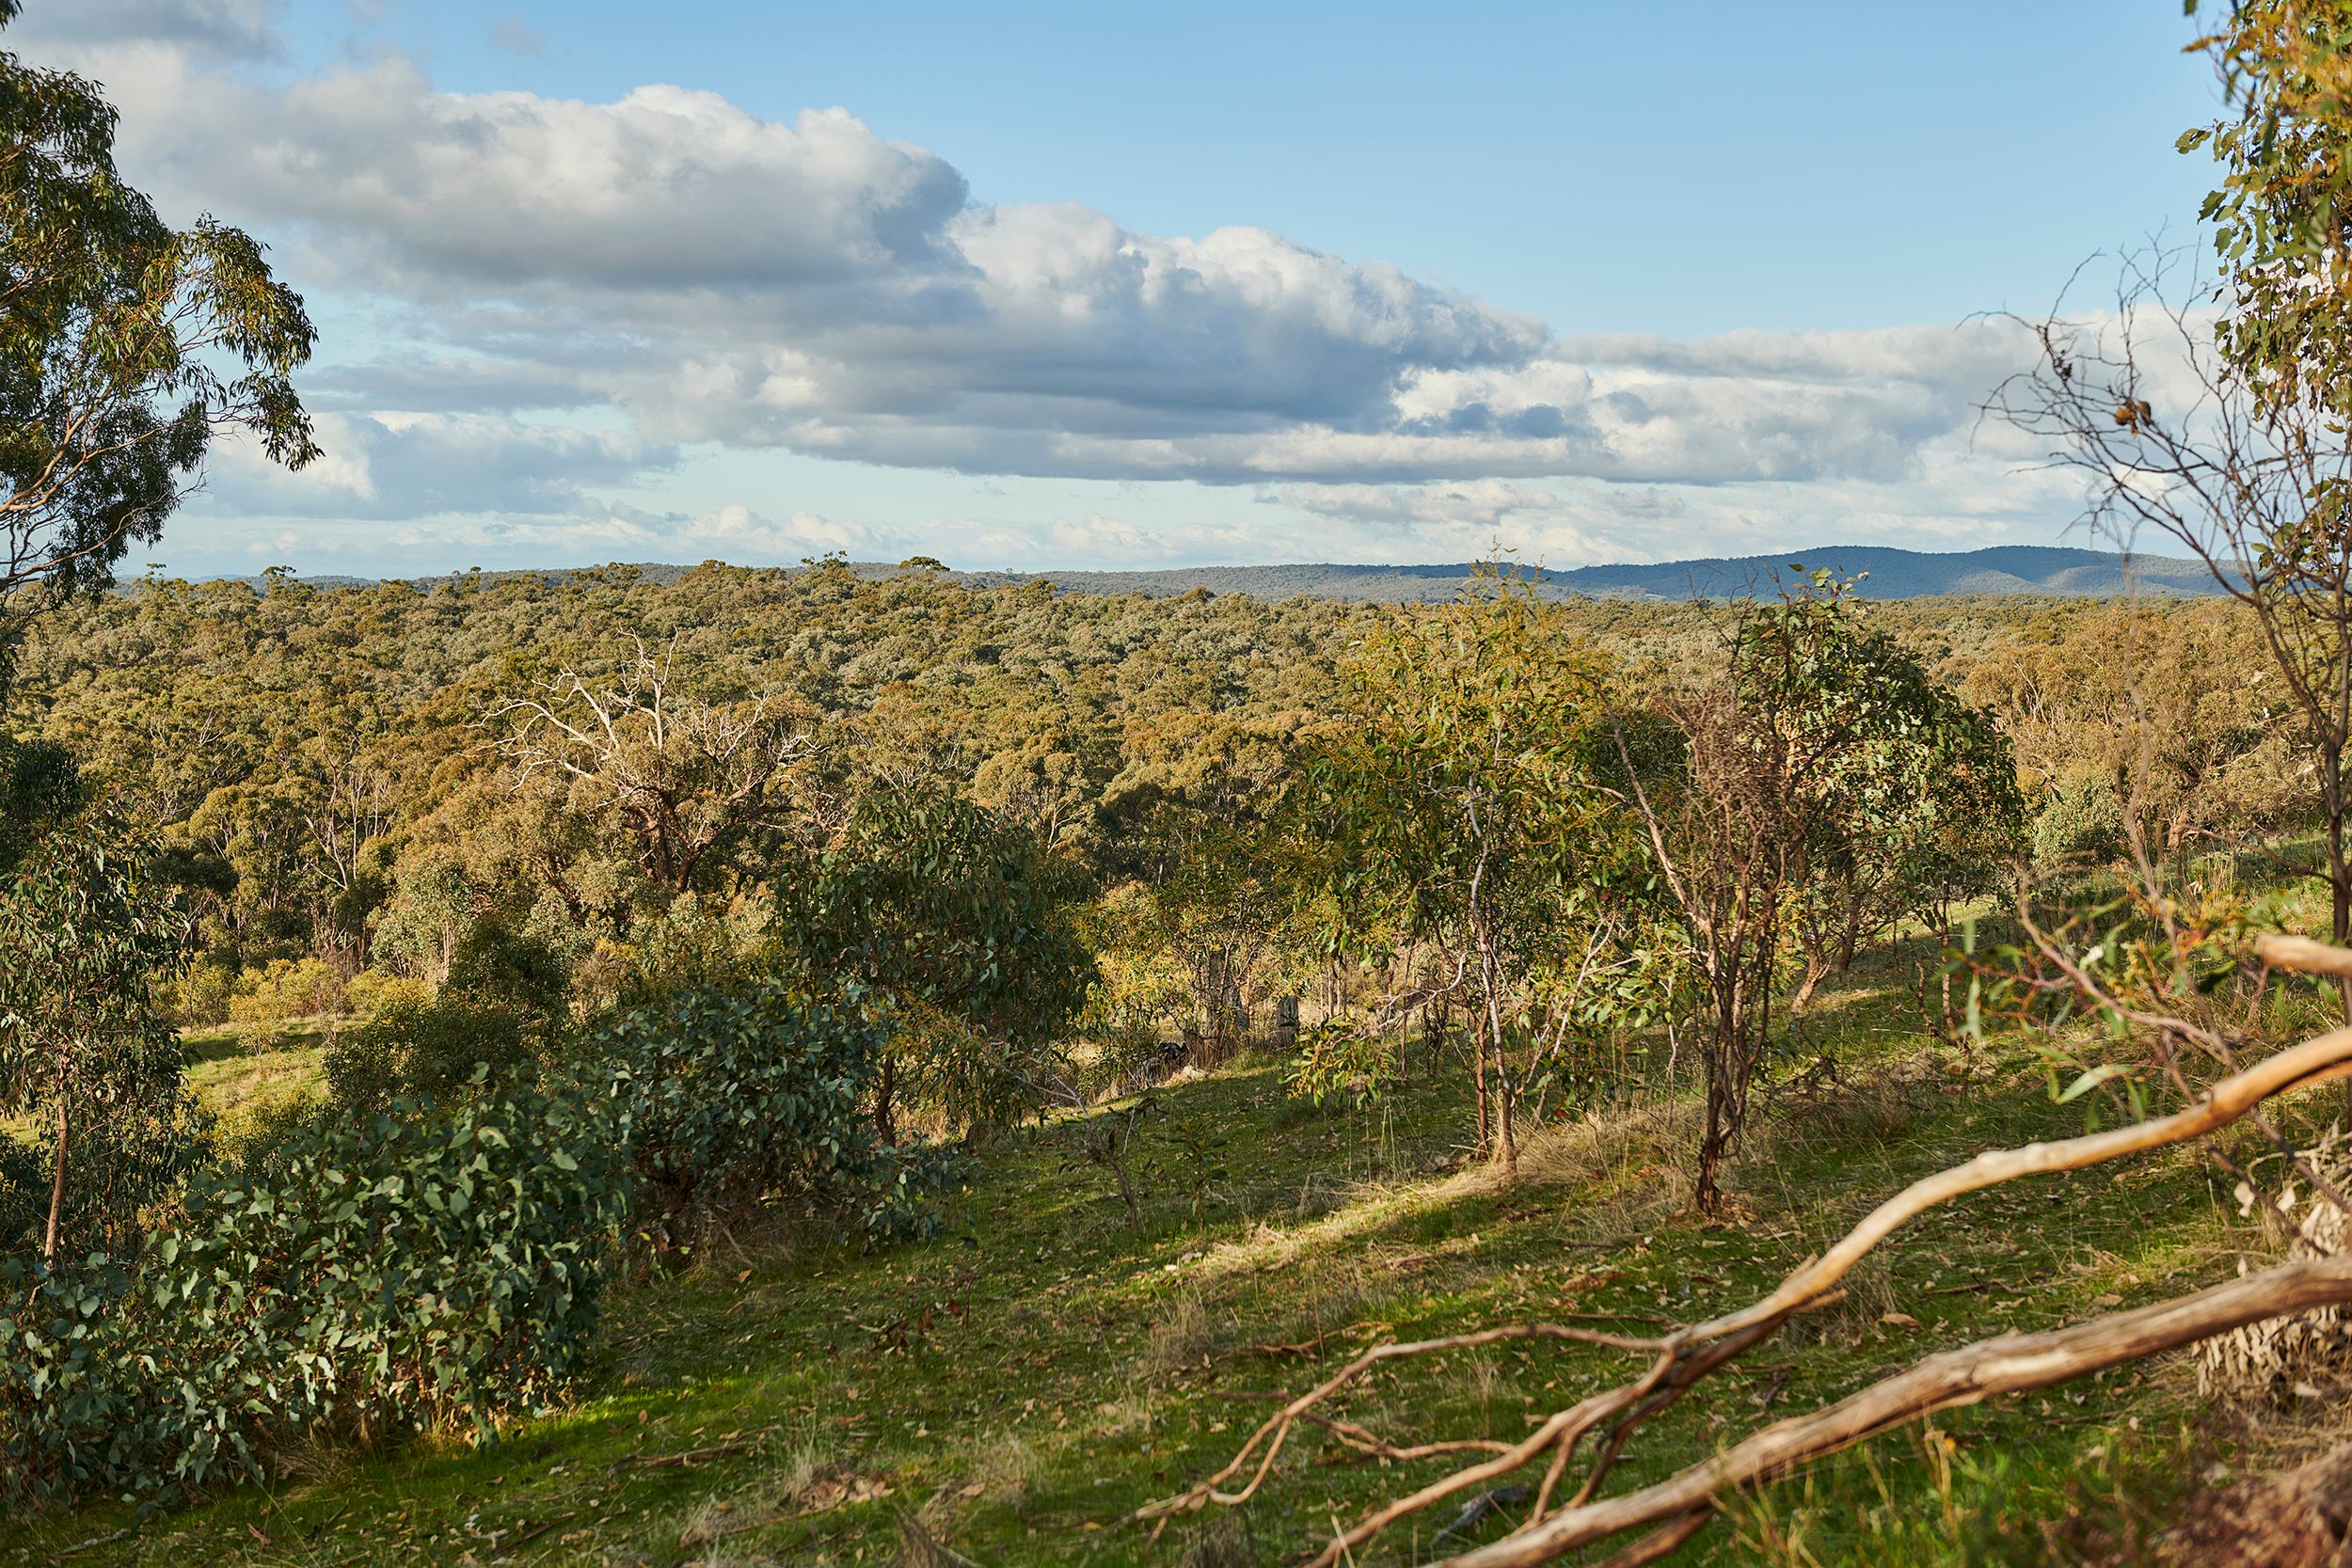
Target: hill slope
1893	573
1025	1379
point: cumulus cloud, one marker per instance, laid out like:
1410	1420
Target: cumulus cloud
686	272
215	29
390	464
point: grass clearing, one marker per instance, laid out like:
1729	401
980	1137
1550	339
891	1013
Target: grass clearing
1020	1383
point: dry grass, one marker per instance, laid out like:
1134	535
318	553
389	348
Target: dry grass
773	1496
1181	1335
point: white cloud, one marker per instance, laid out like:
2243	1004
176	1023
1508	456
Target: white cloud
392	462
217	29
575	290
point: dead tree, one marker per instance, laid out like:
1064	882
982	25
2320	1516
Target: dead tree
1653	1520
2250	475
688	779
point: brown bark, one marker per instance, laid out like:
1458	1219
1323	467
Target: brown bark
1478	1074
56	1189
2010	1364
886	1094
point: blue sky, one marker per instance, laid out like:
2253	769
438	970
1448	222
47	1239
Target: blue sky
1099	286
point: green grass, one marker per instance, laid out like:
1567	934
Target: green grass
239	1083
1030	1377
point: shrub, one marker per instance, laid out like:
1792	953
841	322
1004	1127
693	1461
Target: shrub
435	1049
741	1094
372	990
201	998
288	988
374	1276
1338	1060
2080	826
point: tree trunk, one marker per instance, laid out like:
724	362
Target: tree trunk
1504	1110
1478	1075
1709	1195
57	1189
2339	878
885	1091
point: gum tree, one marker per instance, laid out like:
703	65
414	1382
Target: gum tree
1459	812
2215	413
126	345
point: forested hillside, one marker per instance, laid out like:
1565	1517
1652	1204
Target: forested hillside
1883	573
327	772
1193	933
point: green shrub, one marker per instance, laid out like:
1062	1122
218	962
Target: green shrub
372	990
2080	826
288	988
433	1049
1337	1059
366	1275
744	1094
201	997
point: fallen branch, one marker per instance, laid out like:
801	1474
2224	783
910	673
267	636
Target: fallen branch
2013	1363
1679	1359
2304	955
726	1448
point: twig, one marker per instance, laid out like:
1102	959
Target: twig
536	1531
694	1456
95	1542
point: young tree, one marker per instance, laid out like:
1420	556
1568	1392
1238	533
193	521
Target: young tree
1191	837
1789	762
2217	416
85	1046
964	926
1461	813
1922	812
125	345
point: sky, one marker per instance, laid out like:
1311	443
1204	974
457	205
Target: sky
1087	286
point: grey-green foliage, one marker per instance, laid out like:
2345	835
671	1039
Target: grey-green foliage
125	344
364	1275
741	1093
959	918
493	1022
86	1049
2079	825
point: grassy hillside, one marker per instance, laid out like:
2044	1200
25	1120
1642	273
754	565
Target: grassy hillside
1021	1383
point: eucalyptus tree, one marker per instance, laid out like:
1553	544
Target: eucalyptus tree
86	1053
1923	810
1460	809
689	781
1783	789
1191	841
2216	413
126	345
964	925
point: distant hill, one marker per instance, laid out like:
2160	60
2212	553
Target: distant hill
1892	573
